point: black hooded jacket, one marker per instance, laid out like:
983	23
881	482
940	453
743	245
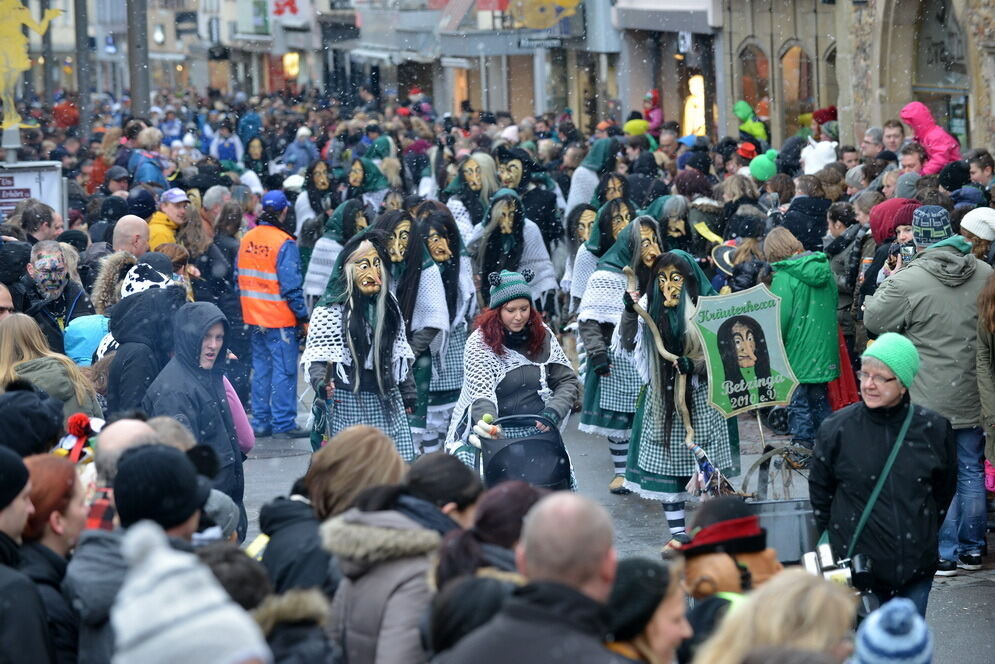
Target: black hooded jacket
142	325
23	625
195	396
47	569
806	219
851	448
645	185
294	557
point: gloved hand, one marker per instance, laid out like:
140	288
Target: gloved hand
629	302
685	365
600	363
302	328
485	429
409	401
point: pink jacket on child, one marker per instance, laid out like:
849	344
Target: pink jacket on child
941	147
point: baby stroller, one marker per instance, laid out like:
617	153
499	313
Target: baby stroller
539	458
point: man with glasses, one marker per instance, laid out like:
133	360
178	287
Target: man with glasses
48	295
851	450
872	143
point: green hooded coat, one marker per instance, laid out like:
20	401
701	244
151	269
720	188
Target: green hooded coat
808	295
373	179
751	125
601	156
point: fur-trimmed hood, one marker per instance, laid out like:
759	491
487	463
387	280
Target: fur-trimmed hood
107	286
362	540
708	205
294	606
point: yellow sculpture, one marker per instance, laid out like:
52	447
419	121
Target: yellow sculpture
14	59
694	107
541	14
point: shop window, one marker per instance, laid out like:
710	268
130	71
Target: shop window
796	88
941	80
754	70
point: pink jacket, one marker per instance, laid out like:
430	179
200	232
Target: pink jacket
243	430
941	147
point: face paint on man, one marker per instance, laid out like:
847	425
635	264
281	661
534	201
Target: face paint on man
511	173
356	174
50	275
397	246
320	176
366	271
506	218
746	345
438	246
471	174
671	283
620	220
649	248
585	223
613	189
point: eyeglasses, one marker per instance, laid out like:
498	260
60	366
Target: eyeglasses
879	381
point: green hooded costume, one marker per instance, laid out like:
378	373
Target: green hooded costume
751	125
602	156
380	149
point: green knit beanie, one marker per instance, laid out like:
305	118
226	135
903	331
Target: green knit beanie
509	286
764	167
898	354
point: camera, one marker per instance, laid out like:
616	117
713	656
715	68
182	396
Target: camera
908	251
853	572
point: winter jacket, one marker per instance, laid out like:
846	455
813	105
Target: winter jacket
196	397
50	375
933	302
93	578
148	169
299	155
161	230
941	147
47	569
541	623
73	303
294	557
986	386
24	634
385	558
142	325
293	624
845	256
227	149
851	448
111	270
807	290
748	274
806	219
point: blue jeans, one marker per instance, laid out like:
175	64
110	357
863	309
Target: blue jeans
274	378
963	530
808	408
917	591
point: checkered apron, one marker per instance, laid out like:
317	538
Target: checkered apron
447	369
620	389
387	414
675	460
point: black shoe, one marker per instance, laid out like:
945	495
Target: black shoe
946	568
969	561
292	433
262	433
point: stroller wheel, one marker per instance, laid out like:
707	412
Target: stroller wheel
777	420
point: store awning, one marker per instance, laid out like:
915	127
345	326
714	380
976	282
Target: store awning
373	54
369	55
162	55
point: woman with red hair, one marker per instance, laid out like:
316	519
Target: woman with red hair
49	535
513	366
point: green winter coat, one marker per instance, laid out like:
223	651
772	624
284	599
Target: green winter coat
933	302
47	373
808	295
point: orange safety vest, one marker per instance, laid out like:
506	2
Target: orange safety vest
258	282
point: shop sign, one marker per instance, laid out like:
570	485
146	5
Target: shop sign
41	180
540	42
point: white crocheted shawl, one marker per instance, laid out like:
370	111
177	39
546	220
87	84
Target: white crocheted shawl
319	270
535	257
484	370
462	217
430	304
602	299
326	342
585	263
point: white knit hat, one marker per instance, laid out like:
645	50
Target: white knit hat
172	609
981	222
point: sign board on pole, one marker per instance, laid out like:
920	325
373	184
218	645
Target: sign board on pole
540	42
41	180
747	365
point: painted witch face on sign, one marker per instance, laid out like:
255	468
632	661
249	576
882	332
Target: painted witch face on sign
397	245
511	173
365	266
746	345
356	174
670	281
471	174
